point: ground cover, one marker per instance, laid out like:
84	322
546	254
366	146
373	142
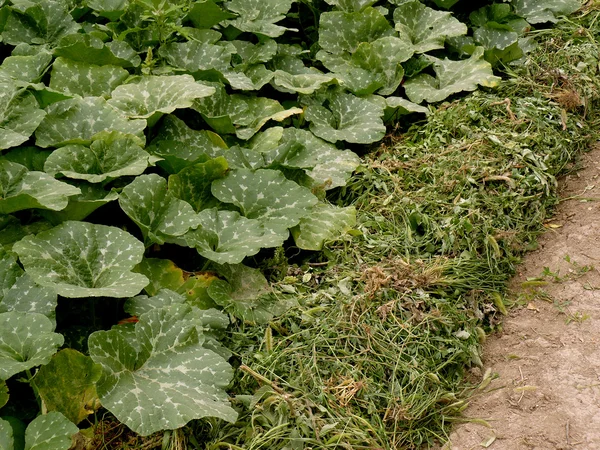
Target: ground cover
144	149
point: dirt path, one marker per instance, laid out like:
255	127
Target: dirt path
547	395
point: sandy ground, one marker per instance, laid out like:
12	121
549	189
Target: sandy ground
547	394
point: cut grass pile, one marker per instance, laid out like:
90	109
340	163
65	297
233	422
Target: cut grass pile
374	354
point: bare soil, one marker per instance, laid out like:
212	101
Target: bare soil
547	393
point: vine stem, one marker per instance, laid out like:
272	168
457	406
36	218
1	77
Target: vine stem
36	391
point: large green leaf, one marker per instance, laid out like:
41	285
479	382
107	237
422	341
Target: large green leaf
193	183
51	431
85	79
323	162
165	378
373	66
18	292
111	155
210	323
80	259
144	96
92	50
157	212
342	32
78	120
21	189
226	237
197	57
452	77
291	75
265	195
41	22
20	114
325	222
260	16
347	118
426	27
67	384
241	114
26	341
206	14
539	11
245	294
195	144
27	68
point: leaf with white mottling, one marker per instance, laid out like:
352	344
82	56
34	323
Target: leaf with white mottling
226	237
26	341
111	9
85	79
80	259
197	57
192	184
51	431
28	68
374	66
342	32
157	212
260	16
20	114
245	294
351	5
18	292
452	77
166	378
146	95
426	27
210	323
291	75
110	156
265	195
325	222
42	22
21	189
78	120
540	11
325	164
347	118
92	50
241	114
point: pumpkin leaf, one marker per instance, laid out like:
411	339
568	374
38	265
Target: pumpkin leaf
346	118
157	212
451	77
26	341
80	259
67	384
78	120
21	189
163	380
111	155
325	222
265	195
